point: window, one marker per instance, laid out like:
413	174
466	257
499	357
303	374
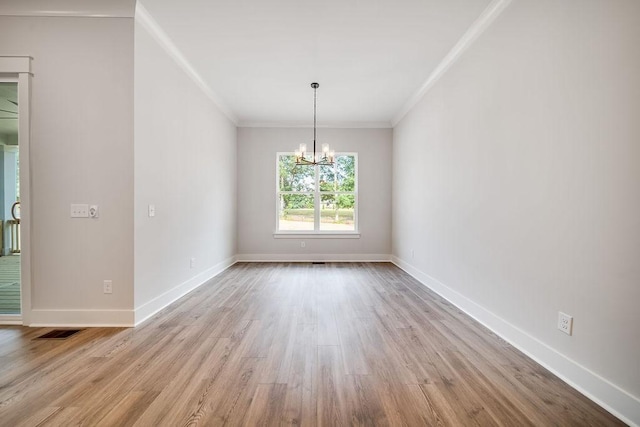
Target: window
317	199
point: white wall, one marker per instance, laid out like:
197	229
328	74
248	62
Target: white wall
185	165
257	148
516	184
81	152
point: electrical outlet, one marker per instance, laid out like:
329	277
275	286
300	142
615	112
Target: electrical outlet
192	263
565	323
107	286
152	210
94	211
413	253
303	244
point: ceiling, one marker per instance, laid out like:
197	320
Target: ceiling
259	57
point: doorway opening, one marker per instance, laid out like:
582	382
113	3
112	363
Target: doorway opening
10	286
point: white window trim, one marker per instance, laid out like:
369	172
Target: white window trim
317	234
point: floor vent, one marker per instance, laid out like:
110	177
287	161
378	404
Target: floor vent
317	262
59	334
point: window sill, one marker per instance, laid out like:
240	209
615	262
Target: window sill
327	235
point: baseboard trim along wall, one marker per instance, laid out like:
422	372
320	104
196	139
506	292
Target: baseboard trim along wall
611	397
150	308
10	319
313	257
81	318
124	318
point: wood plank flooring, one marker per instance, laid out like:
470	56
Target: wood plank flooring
287	343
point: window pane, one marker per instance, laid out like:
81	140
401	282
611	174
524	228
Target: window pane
337	212
296	212
292	178
339	177
328	178
346	173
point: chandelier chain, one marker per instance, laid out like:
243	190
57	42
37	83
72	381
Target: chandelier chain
324	157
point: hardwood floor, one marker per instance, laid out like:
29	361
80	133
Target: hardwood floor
271	344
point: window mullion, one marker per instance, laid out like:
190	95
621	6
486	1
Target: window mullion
316	203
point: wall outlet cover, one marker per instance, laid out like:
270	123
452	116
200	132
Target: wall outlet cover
107	286
565	323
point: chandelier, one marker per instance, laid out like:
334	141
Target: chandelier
324	157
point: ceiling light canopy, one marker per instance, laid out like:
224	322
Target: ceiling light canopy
324	157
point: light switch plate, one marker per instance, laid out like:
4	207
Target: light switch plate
79	210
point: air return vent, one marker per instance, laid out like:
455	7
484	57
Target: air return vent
59	334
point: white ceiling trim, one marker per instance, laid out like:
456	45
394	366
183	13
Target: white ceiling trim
77	8
153	28
326	125
478	27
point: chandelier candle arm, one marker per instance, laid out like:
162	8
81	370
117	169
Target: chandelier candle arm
324	157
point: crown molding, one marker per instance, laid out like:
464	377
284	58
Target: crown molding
327	125
486	18
143	17
73	8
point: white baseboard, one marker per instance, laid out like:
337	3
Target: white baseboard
122	318
313	257
10	319
614	399
150	308
81	318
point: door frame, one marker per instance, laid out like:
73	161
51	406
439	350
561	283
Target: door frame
18	69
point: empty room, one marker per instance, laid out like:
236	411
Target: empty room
342	212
